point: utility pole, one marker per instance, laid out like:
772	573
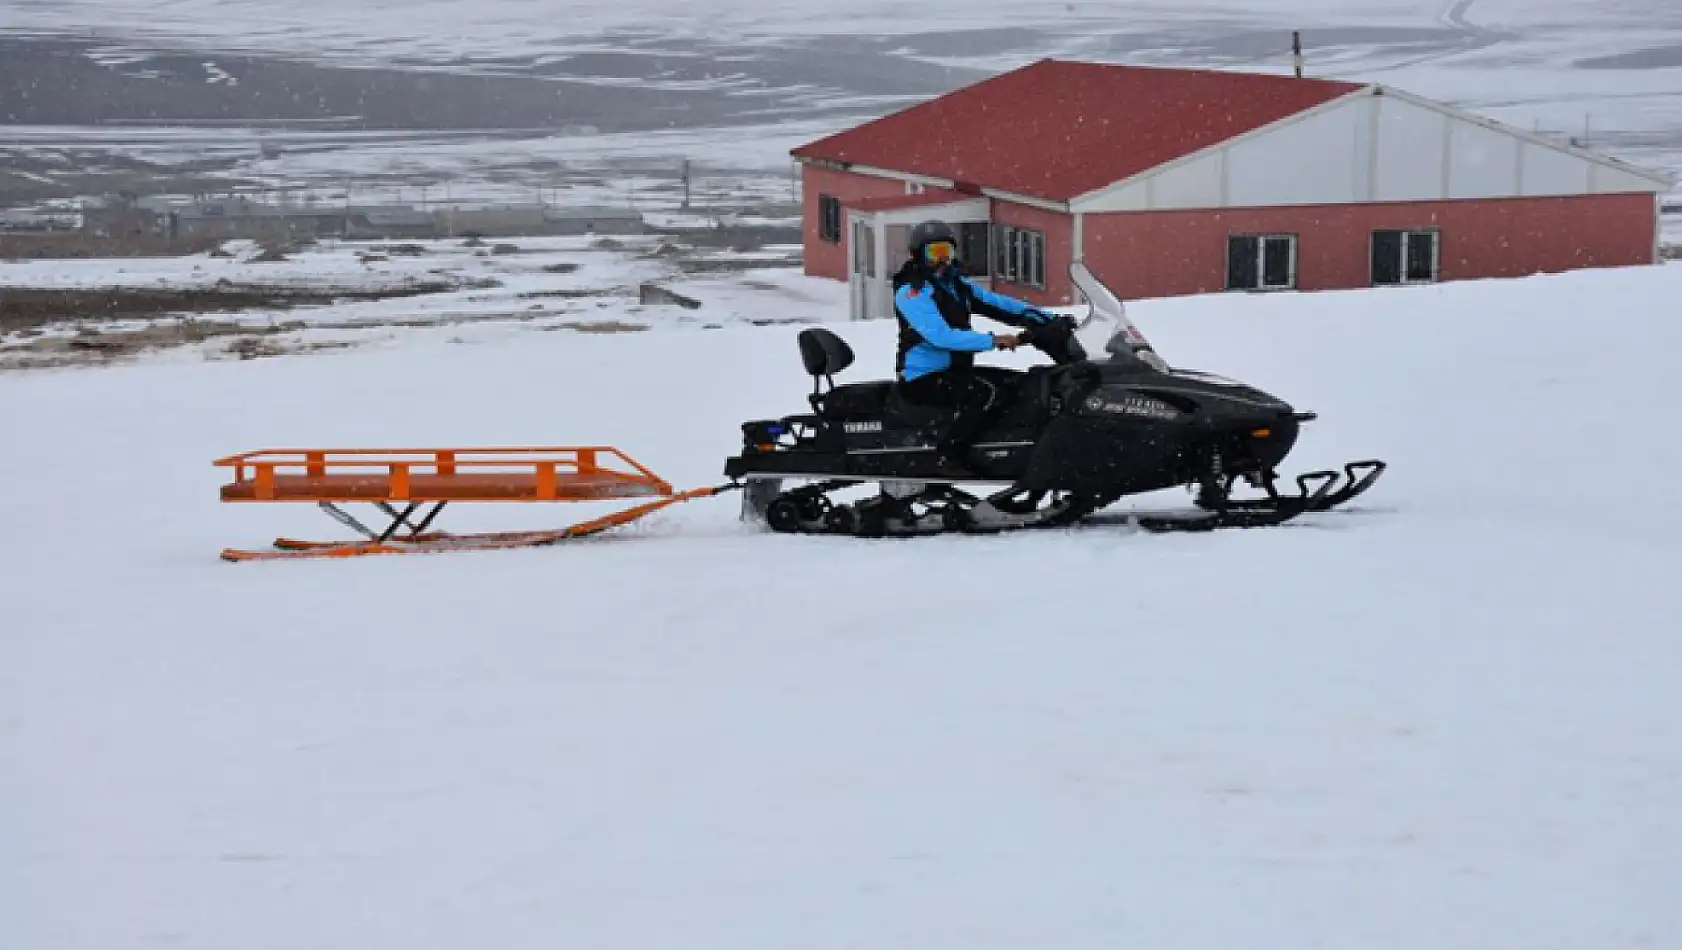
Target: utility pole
1296	52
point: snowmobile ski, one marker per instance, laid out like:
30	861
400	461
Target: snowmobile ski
1360	476
1259	513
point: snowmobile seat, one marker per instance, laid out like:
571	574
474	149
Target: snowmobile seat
824	353
1023	409
854	400
903	412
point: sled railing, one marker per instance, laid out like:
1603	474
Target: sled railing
431	475
401	482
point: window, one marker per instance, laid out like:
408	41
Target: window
1261	262
972	249
1404	257
829	219
1019	256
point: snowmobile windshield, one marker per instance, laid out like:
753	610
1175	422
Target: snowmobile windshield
1103	303
1125	340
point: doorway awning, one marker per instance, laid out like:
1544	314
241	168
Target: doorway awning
909	209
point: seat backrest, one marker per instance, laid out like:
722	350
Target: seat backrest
824	353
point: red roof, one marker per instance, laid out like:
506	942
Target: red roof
1056	130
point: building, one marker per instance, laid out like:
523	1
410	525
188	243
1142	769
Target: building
1177	181
592	220
238	217
393	221
528	220
118	216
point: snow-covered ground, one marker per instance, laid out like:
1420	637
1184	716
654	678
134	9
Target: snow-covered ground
730	167
536	283
1446	718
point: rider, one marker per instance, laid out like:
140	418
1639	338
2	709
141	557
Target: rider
934	298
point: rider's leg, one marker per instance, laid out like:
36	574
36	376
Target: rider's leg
978	401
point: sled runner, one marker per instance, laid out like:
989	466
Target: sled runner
411	487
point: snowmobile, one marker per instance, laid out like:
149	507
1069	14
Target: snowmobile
1078	435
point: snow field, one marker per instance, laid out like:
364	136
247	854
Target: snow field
1444	718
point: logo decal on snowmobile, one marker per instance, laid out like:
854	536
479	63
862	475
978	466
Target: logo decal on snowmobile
1131	406
874	426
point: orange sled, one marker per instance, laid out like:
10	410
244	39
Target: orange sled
410	487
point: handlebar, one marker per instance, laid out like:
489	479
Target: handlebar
1056	339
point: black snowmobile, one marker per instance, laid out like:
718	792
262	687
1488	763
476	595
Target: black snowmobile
1079	435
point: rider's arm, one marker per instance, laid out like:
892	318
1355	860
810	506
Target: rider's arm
1008	304
920	311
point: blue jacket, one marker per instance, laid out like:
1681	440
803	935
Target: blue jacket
940	339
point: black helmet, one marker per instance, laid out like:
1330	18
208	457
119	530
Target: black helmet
929	232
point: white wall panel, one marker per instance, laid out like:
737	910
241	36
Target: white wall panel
1383	148
1552	172
1411	143
1483	163
1363	159
1129	197
1604	179
1311	161
1196	184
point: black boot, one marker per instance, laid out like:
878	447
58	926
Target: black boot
961	461
955	461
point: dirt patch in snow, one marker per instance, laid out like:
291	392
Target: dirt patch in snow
90	346
22	307
598	326
34	348
81	246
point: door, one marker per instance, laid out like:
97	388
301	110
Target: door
975	244
862	270
894	237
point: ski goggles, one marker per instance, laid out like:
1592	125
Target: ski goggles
939	252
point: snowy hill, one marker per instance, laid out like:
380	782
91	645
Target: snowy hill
361	102
1444	719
